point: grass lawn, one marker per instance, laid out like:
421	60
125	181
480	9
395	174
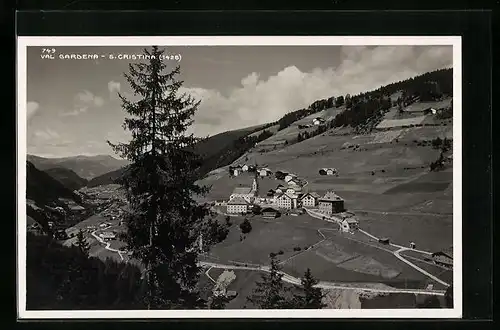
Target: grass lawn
429	233
266	237
343	258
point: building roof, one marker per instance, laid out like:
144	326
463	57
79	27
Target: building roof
331	197
238	201
290	196
242	190
313	194
448	252
352	220
269	209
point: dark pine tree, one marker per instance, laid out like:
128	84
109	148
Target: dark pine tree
164	220
311	297
270	293
82	243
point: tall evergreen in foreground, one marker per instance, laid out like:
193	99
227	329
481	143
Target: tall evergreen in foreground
312	297
163	221
271	293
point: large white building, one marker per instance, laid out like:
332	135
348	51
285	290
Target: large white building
238	205
286	201
247	193
309	199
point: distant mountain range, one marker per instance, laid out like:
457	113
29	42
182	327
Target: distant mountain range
44	189
67	177
86	167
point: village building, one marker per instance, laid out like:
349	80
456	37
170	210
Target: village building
444	258
244	168
331	203
286	201
238	205
430	111
309	199
331	171
271	192
107	235
247	193
265	172
280	189
294	182
318	121
289	177
270	213
349	225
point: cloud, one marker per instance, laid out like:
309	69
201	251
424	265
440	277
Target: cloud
361	69
74	112
31	109
46	134
90	99
113	87
83	101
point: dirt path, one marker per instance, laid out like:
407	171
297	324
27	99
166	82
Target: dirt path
366	287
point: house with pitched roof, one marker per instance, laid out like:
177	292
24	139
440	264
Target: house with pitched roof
238	205
309	199
331	203
286	201
444	257
349	224
247	193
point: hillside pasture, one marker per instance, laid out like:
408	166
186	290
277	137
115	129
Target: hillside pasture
389	123
430	233
421	106
346	260
266	237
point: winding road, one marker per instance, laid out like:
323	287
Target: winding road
322	284
395	253
107	244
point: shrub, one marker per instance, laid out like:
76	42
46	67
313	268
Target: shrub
272	255
246	226
280	252
297	248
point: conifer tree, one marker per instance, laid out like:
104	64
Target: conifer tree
82	243
270	293
164	220
311	297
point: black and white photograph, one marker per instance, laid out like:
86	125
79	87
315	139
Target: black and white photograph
184	177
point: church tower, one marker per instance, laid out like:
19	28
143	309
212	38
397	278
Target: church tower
255	185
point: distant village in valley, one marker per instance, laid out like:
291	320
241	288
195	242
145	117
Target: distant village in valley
290	195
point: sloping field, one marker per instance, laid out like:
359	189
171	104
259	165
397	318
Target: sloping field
345	260
389	123
427	133
421	106
265	238
290	133
272	129
430	233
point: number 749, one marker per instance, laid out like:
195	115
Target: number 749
48	50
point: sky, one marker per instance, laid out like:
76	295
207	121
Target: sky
73	106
